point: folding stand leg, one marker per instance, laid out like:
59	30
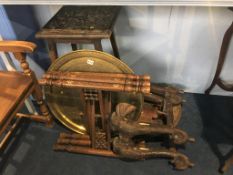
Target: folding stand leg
91	120
102	109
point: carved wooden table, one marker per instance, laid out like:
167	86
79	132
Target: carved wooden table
80	25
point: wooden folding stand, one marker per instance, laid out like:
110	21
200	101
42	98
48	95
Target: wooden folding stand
158	118
96	93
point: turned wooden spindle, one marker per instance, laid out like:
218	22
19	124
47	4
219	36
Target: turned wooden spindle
37	93
95	85
130	79
78	142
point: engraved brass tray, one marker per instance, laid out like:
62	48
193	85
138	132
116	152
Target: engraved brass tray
66	103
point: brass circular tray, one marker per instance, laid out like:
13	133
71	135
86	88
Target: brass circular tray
66	104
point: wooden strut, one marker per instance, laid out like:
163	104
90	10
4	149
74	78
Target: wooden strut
102	109
90	98
107	109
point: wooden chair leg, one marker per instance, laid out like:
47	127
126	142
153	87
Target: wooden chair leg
114	46
222	57
52	51
37	94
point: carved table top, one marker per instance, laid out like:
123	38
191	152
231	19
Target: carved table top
81	22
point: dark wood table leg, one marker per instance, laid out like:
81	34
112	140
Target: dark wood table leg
222	57
114	46
98	45
52	50
37	94
74	46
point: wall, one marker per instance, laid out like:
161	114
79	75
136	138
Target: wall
178	45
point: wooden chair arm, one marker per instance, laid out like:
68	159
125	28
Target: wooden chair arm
17	46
